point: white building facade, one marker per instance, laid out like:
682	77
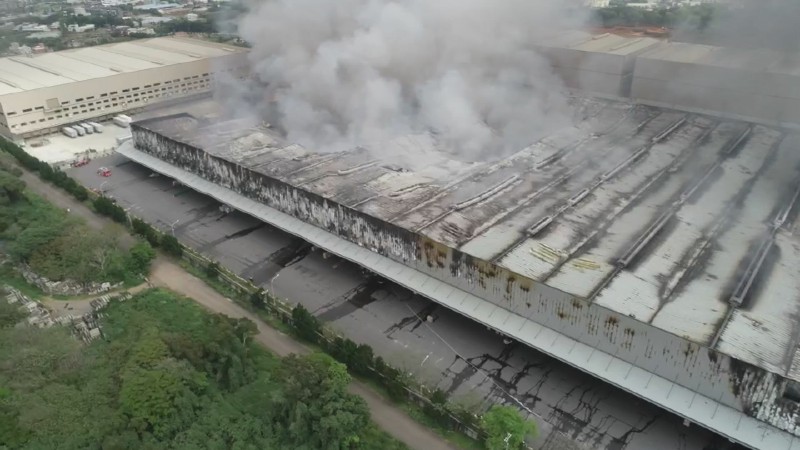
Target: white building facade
40	94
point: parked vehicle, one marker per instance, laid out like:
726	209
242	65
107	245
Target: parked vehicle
122	122
97	127
69	131
104	172
88	128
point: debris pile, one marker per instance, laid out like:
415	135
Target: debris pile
66	287
85	327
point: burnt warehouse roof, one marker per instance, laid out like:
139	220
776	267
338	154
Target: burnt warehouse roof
680	221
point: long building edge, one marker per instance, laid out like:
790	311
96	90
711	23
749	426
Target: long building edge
736	425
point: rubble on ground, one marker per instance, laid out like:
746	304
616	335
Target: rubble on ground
66	287
85	327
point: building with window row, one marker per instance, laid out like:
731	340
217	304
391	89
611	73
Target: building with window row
41	93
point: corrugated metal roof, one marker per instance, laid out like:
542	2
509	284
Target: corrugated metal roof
20	73
733	424
655	214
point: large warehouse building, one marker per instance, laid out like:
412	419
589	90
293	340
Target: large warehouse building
41	93
650	247
755	85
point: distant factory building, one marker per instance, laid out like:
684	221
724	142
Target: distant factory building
41	93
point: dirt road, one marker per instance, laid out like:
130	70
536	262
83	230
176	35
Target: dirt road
170	275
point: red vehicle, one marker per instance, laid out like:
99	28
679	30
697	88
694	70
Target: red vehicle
81	162
104	171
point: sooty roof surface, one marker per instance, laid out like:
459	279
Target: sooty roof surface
681	221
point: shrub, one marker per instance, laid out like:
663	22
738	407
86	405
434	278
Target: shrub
257	299
212	270
144	230
171	246
505	428
139	258
306	325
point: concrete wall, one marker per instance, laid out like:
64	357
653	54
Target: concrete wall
29	113
712	374
749	93
591	72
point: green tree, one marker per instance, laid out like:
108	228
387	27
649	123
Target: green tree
317	411
140	257
156	388
144	230
11	188
306	325
170	375
41	231
171	246
505	428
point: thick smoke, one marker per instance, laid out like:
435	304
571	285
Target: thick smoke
771	24
337	74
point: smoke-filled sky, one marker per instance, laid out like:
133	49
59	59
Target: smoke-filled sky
346	73
773	24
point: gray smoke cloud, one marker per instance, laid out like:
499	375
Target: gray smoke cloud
771	24
337	74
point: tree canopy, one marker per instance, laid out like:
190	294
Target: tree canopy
60	246
168	375
505	428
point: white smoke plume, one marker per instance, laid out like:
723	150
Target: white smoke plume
336	74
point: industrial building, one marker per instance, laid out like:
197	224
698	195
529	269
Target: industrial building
599	65
41	93
760	86
650	247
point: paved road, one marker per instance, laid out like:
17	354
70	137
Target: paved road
168	274
472	364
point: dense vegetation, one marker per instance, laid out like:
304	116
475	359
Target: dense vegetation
59	246
497	425
170	375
